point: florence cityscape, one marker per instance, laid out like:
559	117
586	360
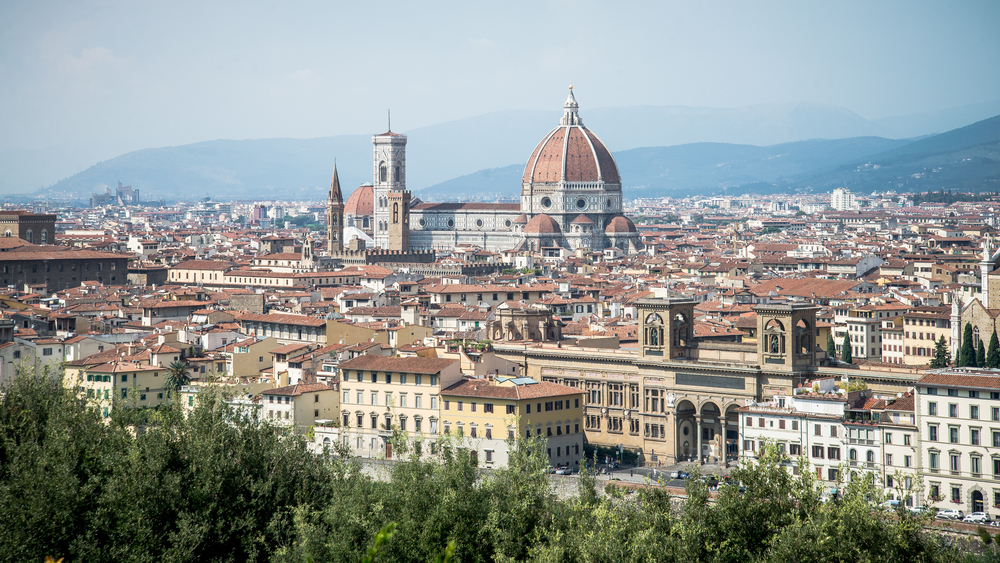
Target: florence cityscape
554	281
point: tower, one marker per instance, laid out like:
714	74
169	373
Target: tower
334	216
390	175
399	220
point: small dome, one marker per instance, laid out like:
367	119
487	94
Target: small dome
620	224
521	219
361	202
542	225
581	219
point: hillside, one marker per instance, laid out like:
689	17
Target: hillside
438	153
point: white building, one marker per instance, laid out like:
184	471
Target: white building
842	200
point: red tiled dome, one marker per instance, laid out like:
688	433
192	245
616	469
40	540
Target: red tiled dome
581	219
571	153
361	202
521	219
620	224
542	225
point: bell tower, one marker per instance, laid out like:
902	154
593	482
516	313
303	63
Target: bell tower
334	216
390	175
786	336
666	327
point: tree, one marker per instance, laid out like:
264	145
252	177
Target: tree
831	348
941	354
993	354
981	355
845	353
967	356
177	376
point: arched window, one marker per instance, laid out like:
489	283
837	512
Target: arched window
31	237
395	213
870	456
7	233
396	177
45	236
975	330
381	172
853	455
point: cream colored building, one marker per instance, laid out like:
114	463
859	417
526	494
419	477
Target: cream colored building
383	394
485	413
958	417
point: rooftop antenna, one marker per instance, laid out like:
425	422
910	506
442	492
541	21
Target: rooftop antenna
388	113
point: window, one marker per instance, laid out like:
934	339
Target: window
932	409
402	400
459	405
933	461
974	436
906	439
489	433
955	462
46	351
472	406
833	431
418	401
817	451
995	413
375	398
347	395
888	459
818	429
973	411
510	409
932	432
419	379
447	405
953	392
833	453
953	410
402	378
388	377
976	464
953	434
795	425
795	449
434	403
488	407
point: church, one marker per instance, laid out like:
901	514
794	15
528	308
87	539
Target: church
571	199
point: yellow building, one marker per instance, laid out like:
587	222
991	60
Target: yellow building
124	383
382	394
485	413
922	327
300	405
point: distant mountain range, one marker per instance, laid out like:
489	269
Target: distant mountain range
966	158
660	150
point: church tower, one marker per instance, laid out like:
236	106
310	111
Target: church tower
390	176
399	220
334	216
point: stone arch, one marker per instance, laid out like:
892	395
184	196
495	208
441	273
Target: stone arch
731	431
681	330
686	429
975	330
977	500
804	337
774	333
30	237
382	172
45	236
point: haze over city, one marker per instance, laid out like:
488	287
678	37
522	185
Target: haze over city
88	81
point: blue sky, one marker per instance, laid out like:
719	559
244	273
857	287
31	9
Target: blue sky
120	76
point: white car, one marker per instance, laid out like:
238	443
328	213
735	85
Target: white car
978	517
951	514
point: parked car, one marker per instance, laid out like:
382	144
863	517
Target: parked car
977	517
951	514
891	504
917	509
675	474
684	475
564	470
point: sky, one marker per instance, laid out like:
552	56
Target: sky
110	77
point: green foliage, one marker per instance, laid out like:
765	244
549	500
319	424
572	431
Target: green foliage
984	536
831	348
770	230
967	355
993	355
942	356
223	485
846	354
981	355
856	385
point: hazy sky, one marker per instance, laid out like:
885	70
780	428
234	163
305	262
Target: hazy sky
129	75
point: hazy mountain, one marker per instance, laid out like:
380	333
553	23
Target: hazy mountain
967	158
917	125
483	155
687	168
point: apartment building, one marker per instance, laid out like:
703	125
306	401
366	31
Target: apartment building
127	383
483	414
958	416
922	327
382	394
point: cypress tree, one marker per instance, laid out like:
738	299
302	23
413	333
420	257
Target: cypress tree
981	355
993	354
845	354
940	359
831	349
967	356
